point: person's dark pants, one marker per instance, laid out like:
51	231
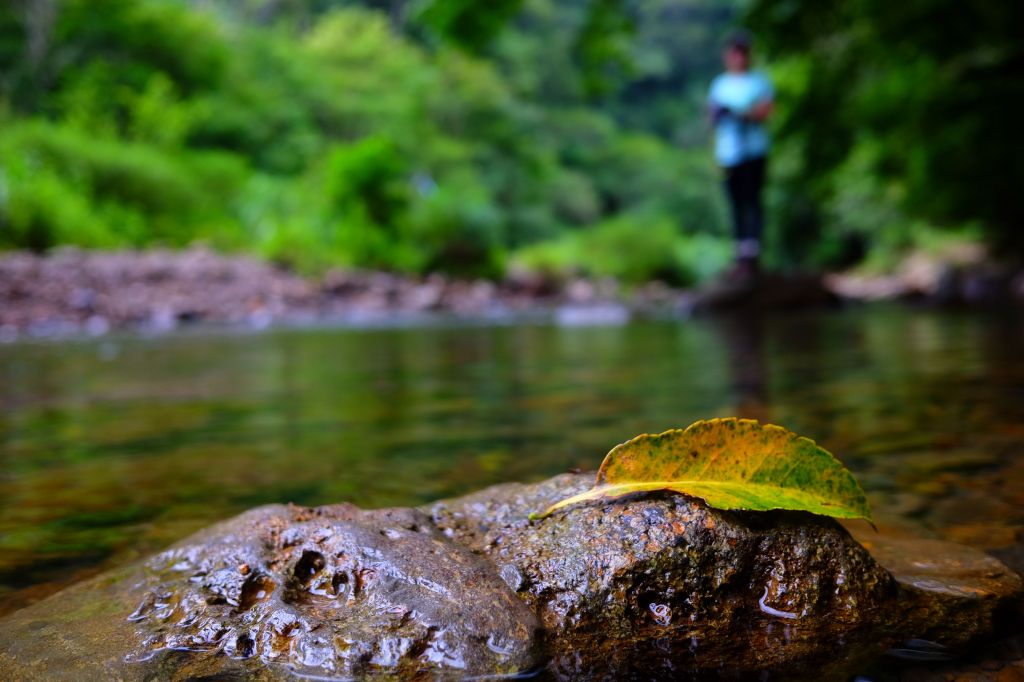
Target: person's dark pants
743	183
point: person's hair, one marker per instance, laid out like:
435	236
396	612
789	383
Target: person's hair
740	39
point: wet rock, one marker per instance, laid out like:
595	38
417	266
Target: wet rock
958	274
657	586
654	586
602	315
68	290
765	291
332	591
964	590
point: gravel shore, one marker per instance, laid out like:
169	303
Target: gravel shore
73	292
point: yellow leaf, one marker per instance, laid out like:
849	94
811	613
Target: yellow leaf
731	464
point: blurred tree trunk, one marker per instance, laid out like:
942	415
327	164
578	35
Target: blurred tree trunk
39	17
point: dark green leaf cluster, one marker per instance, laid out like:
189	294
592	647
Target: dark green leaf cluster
896	113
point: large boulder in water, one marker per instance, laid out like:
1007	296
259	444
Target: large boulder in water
332	591
657	585
653	586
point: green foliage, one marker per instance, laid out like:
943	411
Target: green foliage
468	23
602	47
374	80
448	134
897	114
443	135
459	229
62	186
368	180
633	248
135	40
731	464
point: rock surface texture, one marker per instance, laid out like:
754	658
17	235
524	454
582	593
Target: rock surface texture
282	591
653	586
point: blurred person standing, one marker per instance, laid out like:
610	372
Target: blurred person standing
739	102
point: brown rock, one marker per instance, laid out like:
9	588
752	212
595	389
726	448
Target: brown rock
332	591
658	585
960	588
653	586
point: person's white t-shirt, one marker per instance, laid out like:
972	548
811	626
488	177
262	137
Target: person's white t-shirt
737	139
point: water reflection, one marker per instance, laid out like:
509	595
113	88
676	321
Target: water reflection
743	337
113	448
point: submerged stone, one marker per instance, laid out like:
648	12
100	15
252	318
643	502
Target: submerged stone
963	590
652	586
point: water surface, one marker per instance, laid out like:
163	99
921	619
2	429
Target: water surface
115	447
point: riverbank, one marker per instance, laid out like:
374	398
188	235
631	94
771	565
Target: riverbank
71	292
74	292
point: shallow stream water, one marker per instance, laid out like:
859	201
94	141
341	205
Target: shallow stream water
115	447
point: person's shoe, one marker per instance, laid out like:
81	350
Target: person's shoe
744	271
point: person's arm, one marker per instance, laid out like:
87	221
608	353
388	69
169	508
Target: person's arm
761	110
765	104
716	111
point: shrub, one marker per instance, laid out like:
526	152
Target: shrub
632	248
110	192
457	229
40	209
